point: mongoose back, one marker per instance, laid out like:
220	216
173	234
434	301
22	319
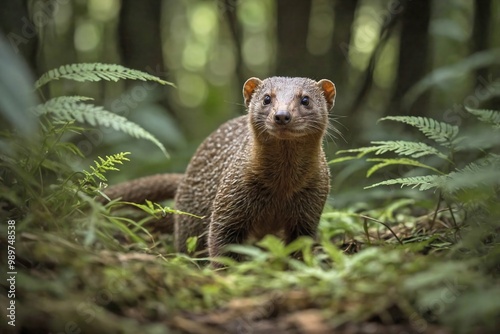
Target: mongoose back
262	173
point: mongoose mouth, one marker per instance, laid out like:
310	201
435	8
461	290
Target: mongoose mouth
285	132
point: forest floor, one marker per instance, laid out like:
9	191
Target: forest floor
365	278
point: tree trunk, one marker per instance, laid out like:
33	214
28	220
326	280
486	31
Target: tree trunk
140	40
481	30
292	29
229	8
341	39
413	55
139	33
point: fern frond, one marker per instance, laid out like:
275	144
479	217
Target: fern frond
67	108
401	147
421	182
442	133
96	72
477	174
412	149
362	151
75	98
484	115
158	211
342	159
402	161
485	172
102	166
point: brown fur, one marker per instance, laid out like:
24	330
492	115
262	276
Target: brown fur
153	187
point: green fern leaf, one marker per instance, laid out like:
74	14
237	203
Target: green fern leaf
488	116
412	149
361	150
102	166
421	182
339	160
99	175
96	72
77	98
485	172
402	161
442	133
65	108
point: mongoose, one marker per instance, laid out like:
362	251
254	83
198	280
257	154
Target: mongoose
262	173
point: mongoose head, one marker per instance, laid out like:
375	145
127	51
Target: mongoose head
288	108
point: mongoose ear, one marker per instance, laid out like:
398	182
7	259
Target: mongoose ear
329	91
249	89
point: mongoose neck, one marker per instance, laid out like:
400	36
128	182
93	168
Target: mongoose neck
285	165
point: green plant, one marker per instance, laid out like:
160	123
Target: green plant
465	173
72	108
40	184
96	72
450	176
460	167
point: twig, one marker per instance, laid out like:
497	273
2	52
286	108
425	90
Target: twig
380	222
437	209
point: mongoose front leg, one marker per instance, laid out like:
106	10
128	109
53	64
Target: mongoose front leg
306	221
300	229
222	234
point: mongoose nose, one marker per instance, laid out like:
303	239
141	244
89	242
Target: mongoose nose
282	117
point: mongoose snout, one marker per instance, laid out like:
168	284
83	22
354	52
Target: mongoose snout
282	117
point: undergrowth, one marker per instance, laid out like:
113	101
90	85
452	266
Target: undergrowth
83	267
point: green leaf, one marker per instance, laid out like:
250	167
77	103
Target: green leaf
249	250
361	150
401	161
421	182
303	244
333	251
339	160
479	138
191	244
482	173
156	210
484	115
102	166
68	108
409	148
273	245
389	210
96	72
442	133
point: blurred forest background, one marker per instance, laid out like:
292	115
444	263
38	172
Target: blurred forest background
396	57
399	259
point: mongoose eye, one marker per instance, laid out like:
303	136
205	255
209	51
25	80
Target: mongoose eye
267	100
305	101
